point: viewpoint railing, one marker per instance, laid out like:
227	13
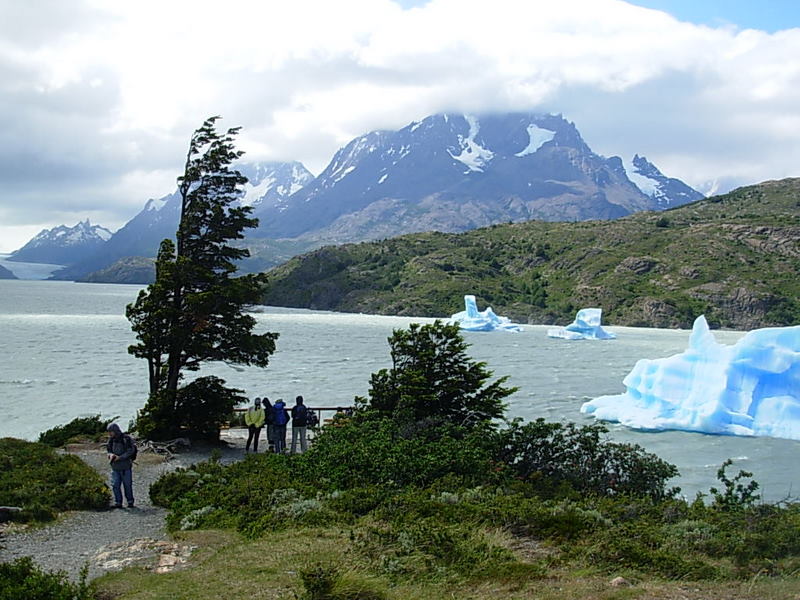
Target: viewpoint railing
320	410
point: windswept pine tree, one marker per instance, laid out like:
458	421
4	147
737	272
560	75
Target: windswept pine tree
194	311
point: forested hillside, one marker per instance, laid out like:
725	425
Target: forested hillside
734	258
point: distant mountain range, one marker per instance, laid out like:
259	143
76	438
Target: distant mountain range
64	245
446	173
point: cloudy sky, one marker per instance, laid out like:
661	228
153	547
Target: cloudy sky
98	98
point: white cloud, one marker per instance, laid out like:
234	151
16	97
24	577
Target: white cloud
98	98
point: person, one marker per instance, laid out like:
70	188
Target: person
121	450
299	424
268	419
280	417
254	419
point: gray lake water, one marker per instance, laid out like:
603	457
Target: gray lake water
63	354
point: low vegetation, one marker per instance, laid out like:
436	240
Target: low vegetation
22	579
401	501
733	258
42	482
79	429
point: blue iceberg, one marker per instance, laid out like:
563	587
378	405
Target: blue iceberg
585	327
751	388
471	319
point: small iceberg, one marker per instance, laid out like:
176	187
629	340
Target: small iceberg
751	388
471	319
585	327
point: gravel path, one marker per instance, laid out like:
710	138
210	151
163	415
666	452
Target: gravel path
110	539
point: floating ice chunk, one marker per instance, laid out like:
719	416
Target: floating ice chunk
471	319
750	388
585	327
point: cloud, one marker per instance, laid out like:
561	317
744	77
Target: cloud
98	98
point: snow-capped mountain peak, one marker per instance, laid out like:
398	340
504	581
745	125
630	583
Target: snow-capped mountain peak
665	191
63	245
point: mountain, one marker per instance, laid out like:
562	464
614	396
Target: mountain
446	173
63	245
6	274
458	172
733	258
269	185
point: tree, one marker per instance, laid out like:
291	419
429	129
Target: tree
432	377
194	311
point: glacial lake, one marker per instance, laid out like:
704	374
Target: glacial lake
64	355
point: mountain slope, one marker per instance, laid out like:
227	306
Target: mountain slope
63	245
459	172
270	184
733	257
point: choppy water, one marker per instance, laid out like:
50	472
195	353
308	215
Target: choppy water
63	354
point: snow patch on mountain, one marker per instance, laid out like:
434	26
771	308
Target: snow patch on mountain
472	154
254	193
156	205
647	185
537	137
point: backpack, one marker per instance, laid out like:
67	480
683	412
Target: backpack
129	442
281	418
300	415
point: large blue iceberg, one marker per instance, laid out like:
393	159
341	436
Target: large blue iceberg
471	319
750	388
586	326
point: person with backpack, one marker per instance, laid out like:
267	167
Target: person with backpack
122	452
280	417
299	424
254	419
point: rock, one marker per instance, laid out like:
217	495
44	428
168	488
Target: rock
619	582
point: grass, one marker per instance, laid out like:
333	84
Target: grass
227	566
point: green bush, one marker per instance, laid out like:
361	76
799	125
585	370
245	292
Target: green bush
554	454
368	450
199	409
42	482
327	582
22	579
82	427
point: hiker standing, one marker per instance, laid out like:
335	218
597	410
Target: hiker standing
254	419
269	417
121	451
280	417
299	424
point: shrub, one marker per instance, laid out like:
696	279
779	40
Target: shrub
23	579
554	454
82	427
326	582
368	450
42	482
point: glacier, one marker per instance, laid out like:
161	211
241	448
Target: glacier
586	326
471	319
751	388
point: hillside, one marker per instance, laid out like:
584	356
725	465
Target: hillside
734	258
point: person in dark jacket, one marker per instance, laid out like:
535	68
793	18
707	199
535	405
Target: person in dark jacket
299	424
121	449
269	418
280	417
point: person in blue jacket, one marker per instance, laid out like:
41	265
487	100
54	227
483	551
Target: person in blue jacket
121	449
280	417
